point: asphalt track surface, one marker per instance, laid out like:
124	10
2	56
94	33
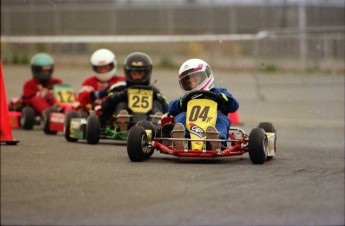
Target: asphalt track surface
46	180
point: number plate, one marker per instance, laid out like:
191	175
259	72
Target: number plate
140	100
201	113
64	94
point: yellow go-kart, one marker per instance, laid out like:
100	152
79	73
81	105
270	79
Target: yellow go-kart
201	113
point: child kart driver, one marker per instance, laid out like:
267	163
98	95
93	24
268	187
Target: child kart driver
137	69
37	91
196	74
95	88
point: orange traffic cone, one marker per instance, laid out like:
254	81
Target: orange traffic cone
5	126
234	117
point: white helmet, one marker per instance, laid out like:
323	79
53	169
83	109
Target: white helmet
195	71
103	57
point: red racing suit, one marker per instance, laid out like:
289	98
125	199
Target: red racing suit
92	84
38	94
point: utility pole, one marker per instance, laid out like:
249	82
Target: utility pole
302	35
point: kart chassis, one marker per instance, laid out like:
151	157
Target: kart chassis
238	141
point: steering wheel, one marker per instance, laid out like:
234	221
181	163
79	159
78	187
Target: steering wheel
189	96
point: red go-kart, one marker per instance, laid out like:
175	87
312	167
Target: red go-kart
52	118
201	113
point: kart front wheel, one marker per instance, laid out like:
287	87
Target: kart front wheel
27	120
92	129
258	146
137	144
69	116
269	128
148	126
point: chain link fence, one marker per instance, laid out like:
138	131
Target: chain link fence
320	46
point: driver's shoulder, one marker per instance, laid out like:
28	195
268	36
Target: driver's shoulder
217	89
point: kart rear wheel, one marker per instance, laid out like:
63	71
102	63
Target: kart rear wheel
46	121
27	120
82	114
137	147
147	125
258	146
269	128
92	129
69	116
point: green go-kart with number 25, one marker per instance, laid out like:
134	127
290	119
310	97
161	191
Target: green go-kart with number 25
139	110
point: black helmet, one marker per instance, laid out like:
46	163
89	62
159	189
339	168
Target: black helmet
141	63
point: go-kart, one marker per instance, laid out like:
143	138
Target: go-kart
201	113
140	105
65	101
62	98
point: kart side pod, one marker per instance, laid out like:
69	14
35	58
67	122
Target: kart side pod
78	128
271	144
56	121
14	119
149	135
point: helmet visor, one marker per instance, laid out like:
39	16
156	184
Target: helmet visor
103	68
192	80
43	72
137	74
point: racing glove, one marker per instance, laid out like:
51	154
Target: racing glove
47	95
222	98
43	93
118	96
98	94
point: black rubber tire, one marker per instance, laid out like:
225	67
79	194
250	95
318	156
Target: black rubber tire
82	114
269	128
46	121
148	125
69	116
92	129
257	146
27	120
137	148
